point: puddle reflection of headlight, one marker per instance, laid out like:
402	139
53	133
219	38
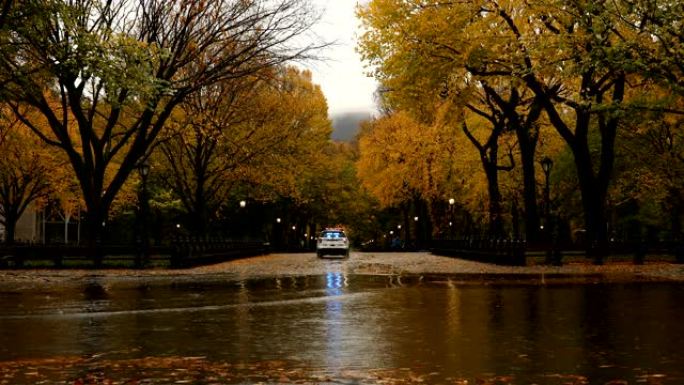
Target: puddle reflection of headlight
334	280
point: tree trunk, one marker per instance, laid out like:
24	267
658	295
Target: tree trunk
594	189
489	156
10	228
593	193
199	217
424	224
528	148
407	225
418	225
198	221
522	125
428	224
495	219
96	227
515	218
675	213
96	224
595	218
66	228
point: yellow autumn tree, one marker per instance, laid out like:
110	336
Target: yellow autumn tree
27	173
573	63
427	60
404	163
292	117
122	68
252	137
34	173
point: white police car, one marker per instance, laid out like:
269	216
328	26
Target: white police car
332	242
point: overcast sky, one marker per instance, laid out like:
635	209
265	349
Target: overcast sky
342	76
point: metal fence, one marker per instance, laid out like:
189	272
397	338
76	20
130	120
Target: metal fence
517	252
182	253
194	251
498	251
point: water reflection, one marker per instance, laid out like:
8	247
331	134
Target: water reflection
243	320
334	282
338	321
96	299
335	328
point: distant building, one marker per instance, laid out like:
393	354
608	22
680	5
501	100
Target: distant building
29	226
44	225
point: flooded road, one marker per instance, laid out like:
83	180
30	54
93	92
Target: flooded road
338	328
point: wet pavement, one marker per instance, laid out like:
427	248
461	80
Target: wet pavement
398	264
346	323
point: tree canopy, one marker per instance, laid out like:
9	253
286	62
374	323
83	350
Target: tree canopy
581	68
114	72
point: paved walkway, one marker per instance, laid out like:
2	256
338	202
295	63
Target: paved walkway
420	263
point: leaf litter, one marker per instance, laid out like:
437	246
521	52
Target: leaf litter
74	370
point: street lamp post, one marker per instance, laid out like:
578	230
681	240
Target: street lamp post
547	164
277	234
242	220
419	236
143	200
452	201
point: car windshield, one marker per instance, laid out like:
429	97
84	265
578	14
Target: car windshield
332	234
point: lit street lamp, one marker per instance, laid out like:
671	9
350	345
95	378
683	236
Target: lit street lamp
278	233
452	202
418	233
242	220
